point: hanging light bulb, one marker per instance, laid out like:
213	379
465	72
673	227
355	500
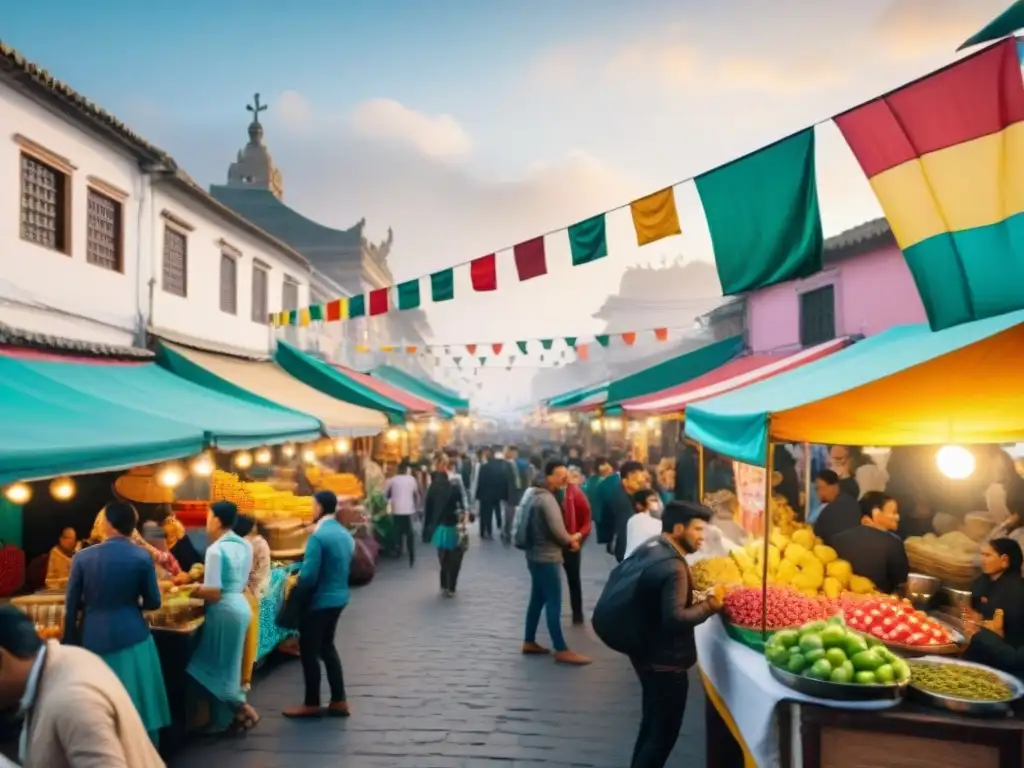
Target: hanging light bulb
410	427
595	425
202	465
243	460
170	476
264	456
955	462
392	436
288	450
62	488
342	445
309	456
652	422
434	425
18	493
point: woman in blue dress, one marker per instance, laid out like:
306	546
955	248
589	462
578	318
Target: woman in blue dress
216	665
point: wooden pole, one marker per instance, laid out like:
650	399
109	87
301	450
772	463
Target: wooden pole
768	471
700	473
808	479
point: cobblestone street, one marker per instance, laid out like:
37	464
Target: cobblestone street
436	683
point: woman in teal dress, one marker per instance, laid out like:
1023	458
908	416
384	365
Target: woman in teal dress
216	665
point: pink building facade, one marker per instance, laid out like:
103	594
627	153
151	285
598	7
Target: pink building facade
864	288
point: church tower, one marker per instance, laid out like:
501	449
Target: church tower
254	168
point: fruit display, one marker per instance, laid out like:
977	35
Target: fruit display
715	571
959	681
896	622
343	484
784	517
802	561
261	500
786	608
829	651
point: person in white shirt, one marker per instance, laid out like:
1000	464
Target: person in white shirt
646	523
403	492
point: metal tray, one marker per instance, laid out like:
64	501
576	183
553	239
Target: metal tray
824	689
967	706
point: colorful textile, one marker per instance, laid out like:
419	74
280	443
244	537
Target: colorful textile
762	211
409	294
483	273
271	635
655	216
138	669
531	260
587	240
944	157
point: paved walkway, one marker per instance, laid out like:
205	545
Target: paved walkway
436	683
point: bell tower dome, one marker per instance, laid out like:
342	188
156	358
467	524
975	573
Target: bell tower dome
254	167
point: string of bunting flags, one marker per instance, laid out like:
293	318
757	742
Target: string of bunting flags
933	150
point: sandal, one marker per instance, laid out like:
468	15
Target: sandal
246	719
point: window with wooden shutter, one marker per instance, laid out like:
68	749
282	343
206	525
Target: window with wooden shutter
818	316
228	284
175	271
259	294
103	234
45	214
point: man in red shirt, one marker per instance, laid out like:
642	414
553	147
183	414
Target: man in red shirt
576	514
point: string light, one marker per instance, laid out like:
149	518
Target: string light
63	488
309	456
264	456
955	462
170	476
392	435
18	493
243	460
342	445
202	465
288	450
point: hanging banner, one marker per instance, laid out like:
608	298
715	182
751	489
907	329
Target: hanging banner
749	497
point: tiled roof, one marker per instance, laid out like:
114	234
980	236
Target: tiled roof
858	239
17	337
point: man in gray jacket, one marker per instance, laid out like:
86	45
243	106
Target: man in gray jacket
547	541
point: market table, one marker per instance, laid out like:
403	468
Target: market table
756	722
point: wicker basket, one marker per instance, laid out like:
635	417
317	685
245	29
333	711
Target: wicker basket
927	561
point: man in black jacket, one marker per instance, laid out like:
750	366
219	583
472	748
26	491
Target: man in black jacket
492	488
666	605
618	503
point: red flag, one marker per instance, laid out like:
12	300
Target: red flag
471	348
531	260
379	302
629	338
484	273
661	334
333	310
582	351
496	348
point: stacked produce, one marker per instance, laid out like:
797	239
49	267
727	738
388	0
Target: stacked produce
784	518
895	621
959	681
260	499
827	650
343	484
715	571
225	486
786	608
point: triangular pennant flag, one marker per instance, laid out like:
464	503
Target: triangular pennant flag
411	350
547	343
379	300
655	216
587	240
496	348
457	361
387	348
483	273
316	312
522	346
362	348
603	339
629	338
570	341
531	260
409	294
357	306
582	352
442	285
511	359
483	361
471	348
661	334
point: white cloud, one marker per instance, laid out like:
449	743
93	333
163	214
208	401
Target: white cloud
293	110
433	135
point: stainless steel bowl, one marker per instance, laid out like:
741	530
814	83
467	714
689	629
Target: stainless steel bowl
920	590
958	598
968	706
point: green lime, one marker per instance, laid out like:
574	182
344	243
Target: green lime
864	678
787	638
813	626
901	669
841	675
815	655
885	674
837	619
777	655
811	642
874	642
854	644
836	657
848	666
820	670
885	654
867	661
833	635
796	663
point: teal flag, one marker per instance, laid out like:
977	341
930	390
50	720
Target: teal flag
1006	23
587	240
409	294
442	285
357	306
762	211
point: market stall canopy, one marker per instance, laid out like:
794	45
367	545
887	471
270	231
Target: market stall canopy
675	371
737	373
428	390
68	415
905	386
576	396
263	382
327	379
415	405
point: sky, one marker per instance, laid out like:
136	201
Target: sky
470	125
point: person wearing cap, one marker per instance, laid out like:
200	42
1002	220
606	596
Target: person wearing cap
669	614
323	584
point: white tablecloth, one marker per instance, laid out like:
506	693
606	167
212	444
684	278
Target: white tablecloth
741	678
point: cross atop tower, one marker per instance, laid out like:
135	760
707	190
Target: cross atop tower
256	108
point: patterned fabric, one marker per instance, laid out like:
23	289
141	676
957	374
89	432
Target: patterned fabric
272	635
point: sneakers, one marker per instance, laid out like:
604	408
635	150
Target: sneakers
533	649
571	658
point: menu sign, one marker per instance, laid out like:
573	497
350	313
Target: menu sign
749	497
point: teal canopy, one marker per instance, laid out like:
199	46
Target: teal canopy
576	396
70	416
423	388
333	382
793	405
671	373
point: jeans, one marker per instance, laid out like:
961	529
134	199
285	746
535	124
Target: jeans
488	511
405	532
571	564
451	564
545	595
663	704
316	644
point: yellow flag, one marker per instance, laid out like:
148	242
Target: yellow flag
343	308
304	317
655	216
362	348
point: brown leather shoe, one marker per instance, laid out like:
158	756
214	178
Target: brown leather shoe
338	709
533	649
303	712
571	657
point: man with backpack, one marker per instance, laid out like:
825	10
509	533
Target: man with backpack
541	533
647	611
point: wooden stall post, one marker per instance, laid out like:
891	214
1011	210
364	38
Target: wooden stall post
808	479
700	473
768	470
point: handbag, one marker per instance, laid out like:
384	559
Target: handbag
463	537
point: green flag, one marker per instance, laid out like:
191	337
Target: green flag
357	306
409	294
316	311
1008	22
587	240
762	211
442	285
603	339
522	346
547	343
570	341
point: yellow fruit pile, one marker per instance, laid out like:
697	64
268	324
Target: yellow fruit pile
260	499
783	516
225	486
344	484
716	571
